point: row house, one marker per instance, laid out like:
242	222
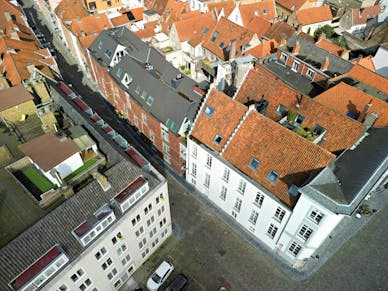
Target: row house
243	14
355	20
102	6
148	91
96	239
314	63
255	169
310	19
284	8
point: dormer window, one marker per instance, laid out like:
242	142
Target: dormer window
206	30
254	164
217	139
119	72
131	193
264	11
215	35
150	100
299	119
209	111
272	176
100	44
281	110
144	95
222	44
127	80
108	53
318	130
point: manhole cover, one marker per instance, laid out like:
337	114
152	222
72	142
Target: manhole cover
222	252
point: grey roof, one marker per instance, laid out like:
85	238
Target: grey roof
56	226
314	55
150	12
353	174
173	99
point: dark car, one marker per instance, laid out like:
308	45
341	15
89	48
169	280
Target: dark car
178	283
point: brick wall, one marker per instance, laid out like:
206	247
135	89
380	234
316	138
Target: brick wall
15	113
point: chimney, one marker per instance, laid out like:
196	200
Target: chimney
364	112
296	48
325	64
370	119
7	16
30	67
232	52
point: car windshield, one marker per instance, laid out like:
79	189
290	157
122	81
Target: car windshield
156	278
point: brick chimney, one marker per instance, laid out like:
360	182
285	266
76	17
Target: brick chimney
325	64
364	112
296	48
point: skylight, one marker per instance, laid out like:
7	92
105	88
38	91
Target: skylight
209	111
222	44
215	35
217	139
272	176
150	100
254	164
318	130
205	31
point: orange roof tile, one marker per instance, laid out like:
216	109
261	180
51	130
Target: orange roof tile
292	5
128	16
264	49
346	99
280	30
362	15
369	78
227	6
259	26
227	114
91	24
314	15
329	46
157	5
86	41
265	9
198	25
227	32
148	31
12	10
68	10
278	149
366	62
341	131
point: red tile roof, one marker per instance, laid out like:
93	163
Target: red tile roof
195	26
292	5
90	25
344	98
314	15
86	41
278	149
123	19
259	26
264	49
227	114
227	32
341	131
47	151
366	62
280	30
68	10
369	78
265	9
148	31
13	96
227	6
329	46
14	11
362	15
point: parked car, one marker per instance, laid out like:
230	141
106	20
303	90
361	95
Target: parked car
178	283
159	276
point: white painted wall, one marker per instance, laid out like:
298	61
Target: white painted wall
235	16
92	266
380	61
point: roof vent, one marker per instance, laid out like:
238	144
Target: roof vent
149	67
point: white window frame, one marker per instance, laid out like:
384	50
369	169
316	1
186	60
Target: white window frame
305	232
242	186
223	192
253	217
295	66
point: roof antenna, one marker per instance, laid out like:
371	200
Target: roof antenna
148	55
298	100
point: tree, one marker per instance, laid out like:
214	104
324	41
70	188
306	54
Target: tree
326	29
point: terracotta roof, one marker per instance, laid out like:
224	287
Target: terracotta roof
86	41
341	131
226	114
128	16
314	15
47	151
180	12
264	49
280	30
259	26
346	99
199	25
14	96
265	9
156	5
12	10
227	6
18	30
227	32
148	31
278	149
362	15
369	78
68	10
329	46
292	5
91	24
366	62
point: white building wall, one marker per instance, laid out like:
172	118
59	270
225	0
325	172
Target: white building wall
313	27
93	266
266	213
380	61
65	168
301	216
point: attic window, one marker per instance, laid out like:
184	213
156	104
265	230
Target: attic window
127	80
264	11
222	45
299	119
217	139
108	53
215	35
144	95
138	89
228	48
209	111
205	31
100	44
318	130
150	100
119	72
272	176
254	164
281	110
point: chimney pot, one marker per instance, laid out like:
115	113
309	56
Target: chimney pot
296	48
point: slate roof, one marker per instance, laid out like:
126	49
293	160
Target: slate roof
227	31
173	100
342	186
362	15
13	96
57	225
341	131
311	53
314	15
225	118
346	99
280	31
